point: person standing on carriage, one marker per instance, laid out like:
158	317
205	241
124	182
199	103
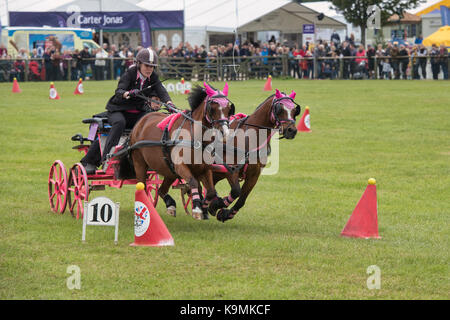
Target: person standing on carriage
124	108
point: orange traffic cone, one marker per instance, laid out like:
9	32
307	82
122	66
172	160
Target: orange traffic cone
268	85
16	88
79	89
363	222
53	93
149	229
305	124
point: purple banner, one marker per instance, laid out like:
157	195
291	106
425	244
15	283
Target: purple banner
145	31
308	28
143	21
445	15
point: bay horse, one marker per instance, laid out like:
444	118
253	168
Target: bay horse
277	112
210	109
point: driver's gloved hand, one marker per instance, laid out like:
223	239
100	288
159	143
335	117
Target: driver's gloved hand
170	103
133	93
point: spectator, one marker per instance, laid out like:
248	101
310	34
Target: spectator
100	64
380	53
335	39
320	63
19	69
371	60
85	61
361	61
114	54
386	69
443	61
107	61
56	44
346	53
66	60
434	60
76	65
419	40
422	54
415	62
130	60
403	60
56	73
394	60
48	63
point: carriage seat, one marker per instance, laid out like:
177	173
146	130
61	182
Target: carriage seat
101	120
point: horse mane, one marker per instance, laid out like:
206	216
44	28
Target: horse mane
196	96
264	102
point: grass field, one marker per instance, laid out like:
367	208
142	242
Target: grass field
285	243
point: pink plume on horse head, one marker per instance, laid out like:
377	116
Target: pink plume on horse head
292	95
225	89
209	91
278	94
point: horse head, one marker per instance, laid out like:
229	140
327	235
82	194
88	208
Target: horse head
218	109
283	113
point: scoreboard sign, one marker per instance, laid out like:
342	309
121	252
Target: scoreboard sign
101	211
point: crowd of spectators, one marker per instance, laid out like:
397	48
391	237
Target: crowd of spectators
324	59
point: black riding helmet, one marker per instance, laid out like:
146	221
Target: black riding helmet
147	56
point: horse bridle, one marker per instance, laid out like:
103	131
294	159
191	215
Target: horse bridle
208	110
277	108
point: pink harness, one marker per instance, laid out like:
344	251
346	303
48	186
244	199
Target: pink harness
169	120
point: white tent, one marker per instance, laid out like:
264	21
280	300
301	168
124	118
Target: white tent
205	17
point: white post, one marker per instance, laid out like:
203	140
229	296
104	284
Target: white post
116	232
83	236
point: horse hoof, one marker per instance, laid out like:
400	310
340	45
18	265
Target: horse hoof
172	211
224	215
197	213
212	211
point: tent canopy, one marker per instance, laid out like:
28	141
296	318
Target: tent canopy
290	18
252	15
442	36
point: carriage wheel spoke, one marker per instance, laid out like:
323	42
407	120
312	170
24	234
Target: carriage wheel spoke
78	209
72	205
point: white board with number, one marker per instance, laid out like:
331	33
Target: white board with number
101	211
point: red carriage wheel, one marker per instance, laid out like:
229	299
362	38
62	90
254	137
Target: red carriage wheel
78	190
152	185
57	187
186	198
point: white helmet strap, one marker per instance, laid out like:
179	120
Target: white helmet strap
150	57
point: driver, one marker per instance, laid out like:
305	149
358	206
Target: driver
124	108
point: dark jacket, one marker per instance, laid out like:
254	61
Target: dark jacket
129	81
85	55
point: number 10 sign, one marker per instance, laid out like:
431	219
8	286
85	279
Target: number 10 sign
101	211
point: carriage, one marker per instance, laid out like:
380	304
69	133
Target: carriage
71	188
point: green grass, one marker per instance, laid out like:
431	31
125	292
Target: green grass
285	243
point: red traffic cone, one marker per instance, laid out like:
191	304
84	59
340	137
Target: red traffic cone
363	222
268	85
305	124
53	93
79	89
149	229
16	88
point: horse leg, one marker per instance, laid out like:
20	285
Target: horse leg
233	181
183	171
247	187
204	202
163	190
140	166
211	195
